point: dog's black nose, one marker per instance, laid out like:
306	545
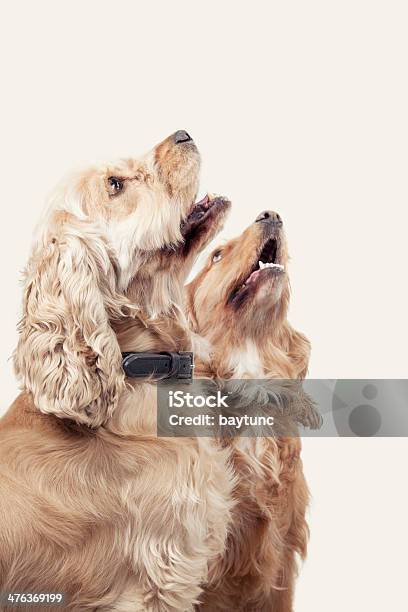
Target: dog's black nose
269	216
182	136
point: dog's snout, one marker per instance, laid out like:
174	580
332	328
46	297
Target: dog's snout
182	136
269	216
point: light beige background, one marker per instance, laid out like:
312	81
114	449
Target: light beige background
296	106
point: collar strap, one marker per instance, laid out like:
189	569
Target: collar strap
163	365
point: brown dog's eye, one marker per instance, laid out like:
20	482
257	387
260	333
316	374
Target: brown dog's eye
115	185
217	256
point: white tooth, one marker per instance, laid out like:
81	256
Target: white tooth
274	265
263	265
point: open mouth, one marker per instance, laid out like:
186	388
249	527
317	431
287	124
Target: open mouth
198	211
202	219
267	265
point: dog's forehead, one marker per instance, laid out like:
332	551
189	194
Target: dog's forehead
122	167
228	247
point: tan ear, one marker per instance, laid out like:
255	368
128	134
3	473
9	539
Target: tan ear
67	355
189	306
298	351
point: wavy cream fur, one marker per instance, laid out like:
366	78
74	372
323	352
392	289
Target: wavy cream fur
92	503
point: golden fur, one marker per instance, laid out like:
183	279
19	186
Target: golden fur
92	503
254	318
243	319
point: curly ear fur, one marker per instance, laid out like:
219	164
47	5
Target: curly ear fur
298	351
67	355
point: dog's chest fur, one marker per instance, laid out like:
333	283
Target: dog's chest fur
245	361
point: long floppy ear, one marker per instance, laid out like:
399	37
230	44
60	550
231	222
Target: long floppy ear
189	306
67	355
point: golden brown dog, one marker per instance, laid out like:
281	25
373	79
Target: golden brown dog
238	303
92	503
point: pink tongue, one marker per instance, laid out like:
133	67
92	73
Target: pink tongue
253	276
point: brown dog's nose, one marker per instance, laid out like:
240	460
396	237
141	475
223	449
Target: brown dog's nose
269	216
181	136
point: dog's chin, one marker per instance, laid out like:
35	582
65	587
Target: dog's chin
262	288
203	222
269	287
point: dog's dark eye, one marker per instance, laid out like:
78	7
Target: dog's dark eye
217	256
115	185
